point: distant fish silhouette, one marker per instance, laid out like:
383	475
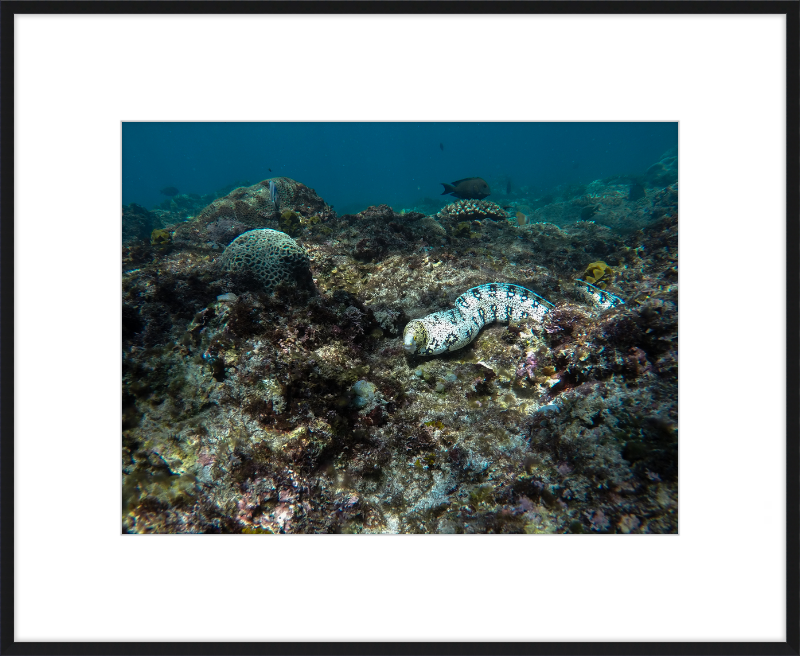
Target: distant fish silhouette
273	194
441	147
588	212
169	191
636	191
475	188
270	170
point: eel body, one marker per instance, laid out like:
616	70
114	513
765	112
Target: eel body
596	296
451	330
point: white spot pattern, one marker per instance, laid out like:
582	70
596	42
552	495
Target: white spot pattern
451	330
596	296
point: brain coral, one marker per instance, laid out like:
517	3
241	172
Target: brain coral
269	256
468	210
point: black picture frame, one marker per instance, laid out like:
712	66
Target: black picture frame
8	644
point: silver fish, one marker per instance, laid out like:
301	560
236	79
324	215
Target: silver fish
273	195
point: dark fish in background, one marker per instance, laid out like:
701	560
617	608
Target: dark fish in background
475	188
636	191
270	170
169	191
441	147
588	212
273	195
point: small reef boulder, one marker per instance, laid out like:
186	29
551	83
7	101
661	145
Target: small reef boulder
137	223
246	208
665	171
378	231
363	394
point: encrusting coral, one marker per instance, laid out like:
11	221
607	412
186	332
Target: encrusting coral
468	210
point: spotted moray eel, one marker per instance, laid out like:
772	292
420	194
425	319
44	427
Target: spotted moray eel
451	330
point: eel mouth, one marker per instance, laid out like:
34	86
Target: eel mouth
414	337
409	343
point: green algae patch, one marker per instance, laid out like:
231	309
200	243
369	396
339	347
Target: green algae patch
290	223
463	230
481	496
598	273
161	239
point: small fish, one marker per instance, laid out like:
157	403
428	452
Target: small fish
270	170
273	195
169	191
522	219
475	188
636	191
441	147
588	212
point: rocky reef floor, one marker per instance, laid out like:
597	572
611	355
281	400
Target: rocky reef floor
297	410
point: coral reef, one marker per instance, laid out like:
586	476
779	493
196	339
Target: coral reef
223	231
665	171
295	410
137	223
623	203
182	207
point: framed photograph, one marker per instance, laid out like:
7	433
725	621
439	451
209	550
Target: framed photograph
442	329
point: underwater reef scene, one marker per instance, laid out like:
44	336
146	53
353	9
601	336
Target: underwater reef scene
270	384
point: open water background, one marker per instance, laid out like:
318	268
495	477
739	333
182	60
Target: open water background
354	165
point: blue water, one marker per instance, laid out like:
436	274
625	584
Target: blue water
354	165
